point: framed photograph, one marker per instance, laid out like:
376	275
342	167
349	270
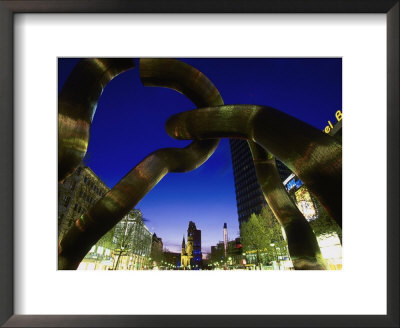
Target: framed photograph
40	42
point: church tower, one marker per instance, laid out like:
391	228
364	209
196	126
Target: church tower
184	257
183	246
191	255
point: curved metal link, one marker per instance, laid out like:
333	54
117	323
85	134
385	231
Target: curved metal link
107	212
302	148
179	76
77	104
313	156
302	243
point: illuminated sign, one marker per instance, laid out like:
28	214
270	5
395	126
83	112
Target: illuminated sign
329	127
295	182
290	185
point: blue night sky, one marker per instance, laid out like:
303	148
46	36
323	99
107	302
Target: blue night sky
129	125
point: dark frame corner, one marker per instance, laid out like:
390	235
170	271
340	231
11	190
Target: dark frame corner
10	7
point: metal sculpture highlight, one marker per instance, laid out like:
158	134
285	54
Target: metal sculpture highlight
77	105
312	155
89	228
315	157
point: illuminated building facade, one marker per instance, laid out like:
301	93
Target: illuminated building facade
132	233
301	196
127	246
76	194
98	258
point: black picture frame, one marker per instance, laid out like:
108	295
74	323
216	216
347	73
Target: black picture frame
10	7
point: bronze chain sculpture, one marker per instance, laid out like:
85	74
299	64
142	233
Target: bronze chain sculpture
315	157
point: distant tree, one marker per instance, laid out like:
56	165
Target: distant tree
263	234
107	240
277	246
254	236
123	237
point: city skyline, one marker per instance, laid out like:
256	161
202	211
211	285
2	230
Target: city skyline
129	125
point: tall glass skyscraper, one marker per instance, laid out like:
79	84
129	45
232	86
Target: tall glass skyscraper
249	196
